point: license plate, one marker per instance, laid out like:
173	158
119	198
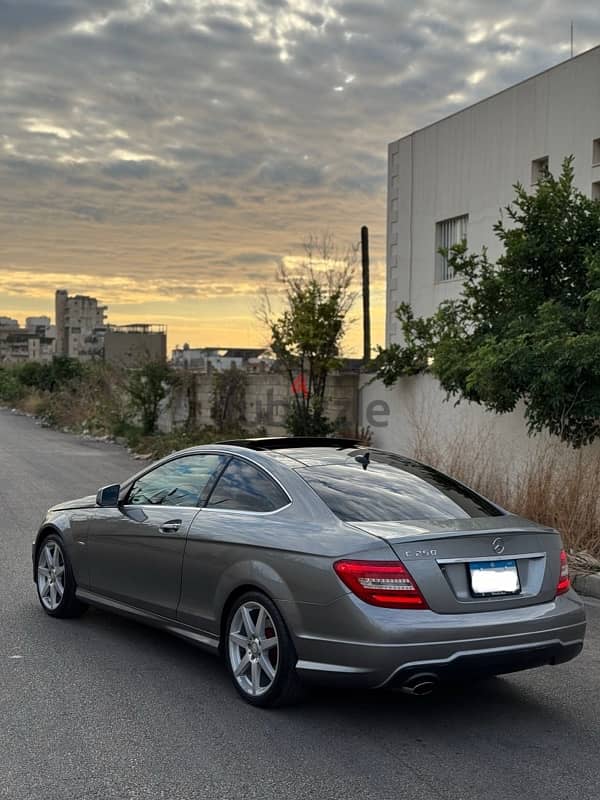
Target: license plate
494	577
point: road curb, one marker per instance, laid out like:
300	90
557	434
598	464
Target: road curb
588	585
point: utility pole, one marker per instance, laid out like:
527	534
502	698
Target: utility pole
571	38
364	242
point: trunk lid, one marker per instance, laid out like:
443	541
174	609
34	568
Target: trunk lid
447	557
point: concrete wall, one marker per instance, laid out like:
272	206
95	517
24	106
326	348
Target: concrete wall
413	417
268	397
132	349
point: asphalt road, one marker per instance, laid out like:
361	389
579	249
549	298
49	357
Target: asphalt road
104	708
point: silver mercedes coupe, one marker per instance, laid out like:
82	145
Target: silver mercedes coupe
316	560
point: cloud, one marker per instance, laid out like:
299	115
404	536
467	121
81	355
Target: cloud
255	258
26	18
126	168
195	142
221	199
121	289
289	172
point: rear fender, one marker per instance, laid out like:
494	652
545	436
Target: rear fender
321	585
251	573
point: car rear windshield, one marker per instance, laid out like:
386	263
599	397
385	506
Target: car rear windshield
393	488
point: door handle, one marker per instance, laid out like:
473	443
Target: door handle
170	527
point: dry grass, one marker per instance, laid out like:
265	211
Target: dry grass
95	404
554	485
34	403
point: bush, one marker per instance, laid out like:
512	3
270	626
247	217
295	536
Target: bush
308	421
51	376
20	380
11	388
94	402
162	444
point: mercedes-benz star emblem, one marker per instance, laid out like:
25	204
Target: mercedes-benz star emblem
498	545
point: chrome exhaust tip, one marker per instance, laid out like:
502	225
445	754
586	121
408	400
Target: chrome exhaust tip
421	685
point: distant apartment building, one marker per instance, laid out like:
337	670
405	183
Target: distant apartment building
80	326
20	344
8	323
38	323
250	359
132	346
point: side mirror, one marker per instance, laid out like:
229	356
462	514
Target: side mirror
108	496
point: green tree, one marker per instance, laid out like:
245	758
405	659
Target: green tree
147	388
526	328
307	335
228	408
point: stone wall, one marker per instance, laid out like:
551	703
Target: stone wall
268	396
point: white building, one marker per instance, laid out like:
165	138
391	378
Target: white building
450	180
34	323
453	177
250	359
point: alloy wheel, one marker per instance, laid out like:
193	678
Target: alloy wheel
51	575
253	648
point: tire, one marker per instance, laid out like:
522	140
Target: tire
55	581
260	654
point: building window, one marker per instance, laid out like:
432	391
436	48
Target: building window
448	232
539	169
596	190
596	153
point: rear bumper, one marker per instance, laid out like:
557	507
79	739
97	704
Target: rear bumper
395	646
485	663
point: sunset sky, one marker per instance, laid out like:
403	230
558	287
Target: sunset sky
164	156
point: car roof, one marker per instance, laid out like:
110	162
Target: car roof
299	452
294	442
292	451
303	450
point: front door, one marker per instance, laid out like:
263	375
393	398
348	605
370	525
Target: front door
136	551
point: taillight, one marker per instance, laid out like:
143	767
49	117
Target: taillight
564	582
381	583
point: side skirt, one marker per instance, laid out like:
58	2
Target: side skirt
199	638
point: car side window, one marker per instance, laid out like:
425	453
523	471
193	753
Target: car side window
181	482
244	487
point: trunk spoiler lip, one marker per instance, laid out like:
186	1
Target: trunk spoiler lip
398	537
519	556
